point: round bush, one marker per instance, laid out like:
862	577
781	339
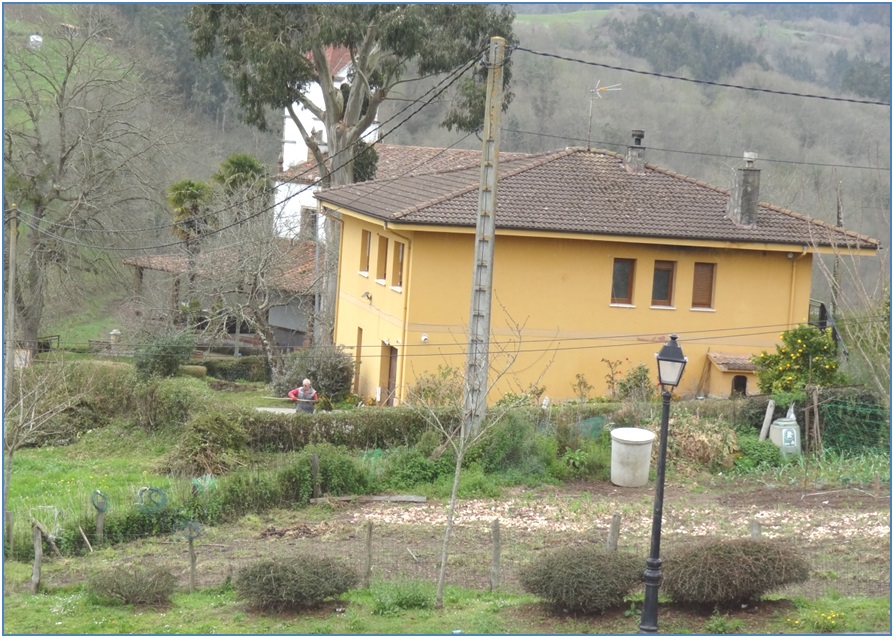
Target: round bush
585	578
756	453
726	571
293	582
133	585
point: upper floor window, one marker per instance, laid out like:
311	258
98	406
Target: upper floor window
622	281
703	285
663	283
397	264
365	245
382	259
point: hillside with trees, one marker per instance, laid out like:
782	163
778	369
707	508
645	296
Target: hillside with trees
824	152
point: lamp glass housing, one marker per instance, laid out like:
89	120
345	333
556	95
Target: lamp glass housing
671	363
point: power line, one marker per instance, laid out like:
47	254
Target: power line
708	82
701	153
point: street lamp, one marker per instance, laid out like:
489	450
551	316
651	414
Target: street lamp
670	369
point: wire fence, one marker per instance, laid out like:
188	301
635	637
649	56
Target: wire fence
484	556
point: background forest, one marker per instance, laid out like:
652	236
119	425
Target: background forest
819	156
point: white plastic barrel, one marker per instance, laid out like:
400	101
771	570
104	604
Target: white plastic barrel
631	456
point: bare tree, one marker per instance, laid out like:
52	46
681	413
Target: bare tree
247	272
79	145
37	397
443	411
862	313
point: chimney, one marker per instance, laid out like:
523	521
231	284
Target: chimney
636	154
745	195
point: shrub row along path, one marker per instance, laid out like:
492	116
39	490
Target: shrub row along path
845	532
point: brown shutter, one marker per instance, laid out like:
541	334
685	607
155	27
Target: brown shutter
703	286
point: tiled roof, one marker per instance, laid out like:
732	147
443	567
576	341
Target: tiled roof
396	161
292	272
732	362
588	192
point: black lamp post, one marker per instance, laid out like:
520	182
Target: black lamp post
670	369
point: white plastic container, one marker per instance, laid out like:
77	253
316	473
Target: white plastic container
786	434
631	456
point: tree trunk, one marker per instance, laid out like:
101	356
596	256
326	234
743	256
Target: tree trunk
7	473
451	508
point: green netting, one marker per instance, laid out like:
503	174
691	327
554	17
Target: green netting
592	427
849	426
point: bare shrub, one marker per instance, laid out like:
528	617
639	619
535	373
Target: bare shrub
584	578
212	443
293	582
726	571
133	584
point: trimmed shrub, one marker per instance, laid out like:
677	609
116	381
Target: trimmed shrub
198	372
133	585
329	368
403	595
212	443
364	429
162	355
701	572
585	578
293	582
251	368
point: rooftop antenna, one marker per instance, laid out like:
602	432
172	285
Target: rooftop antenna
596	92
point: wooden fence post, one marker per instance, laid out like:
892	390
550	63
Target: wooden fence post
614	532
495	573
367	572
315	474
38	558
100	526
755	528
192	564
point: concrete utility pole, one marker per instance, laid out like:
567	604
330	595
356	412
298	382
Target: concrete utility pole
477	364
9	362
10	306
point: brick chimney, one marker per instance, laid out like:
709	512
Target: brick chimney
636	154
745	194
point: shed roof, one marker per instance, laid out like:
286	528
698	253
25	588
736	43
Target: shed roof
293	272
732	362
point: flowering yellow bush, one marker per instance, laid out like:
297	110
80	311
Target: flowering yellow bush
806	356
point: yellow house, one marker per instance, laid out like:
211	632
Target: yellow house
598	258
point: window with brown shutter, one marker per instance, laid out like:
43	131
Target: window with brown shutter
382	260
365	245
663	283
622	281
703	286
397	265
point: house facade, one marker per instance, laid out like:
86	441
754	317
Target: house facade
598	258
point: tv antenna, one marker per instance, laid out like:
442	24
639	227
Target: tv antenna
596	92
